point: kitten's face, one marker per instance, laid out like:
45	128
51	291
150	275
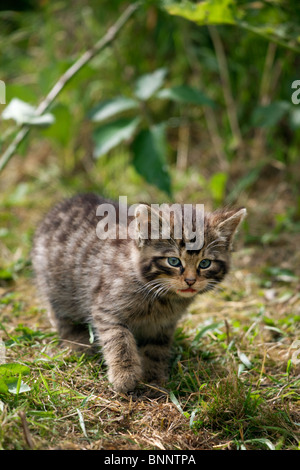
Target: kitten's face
186	273
168	267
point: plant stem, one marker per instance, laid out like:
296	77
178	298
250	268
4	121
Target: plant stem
259	140
107	39
225	79
27	434
209	114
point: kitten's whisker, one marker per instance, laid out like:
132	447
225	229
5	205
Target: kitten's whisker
163	288
162	291
219	244
214	285
148	284
154	288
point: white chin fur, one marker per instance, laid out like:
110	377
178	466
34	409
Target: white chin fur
186	294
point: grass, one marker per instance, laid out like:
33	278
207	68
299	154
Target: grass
234	375
232	385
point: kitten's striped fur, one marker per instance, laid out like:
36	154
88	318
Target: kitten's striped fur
124	289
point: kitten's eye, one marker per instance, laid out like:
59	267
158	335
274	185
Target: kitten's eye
175	262
205	263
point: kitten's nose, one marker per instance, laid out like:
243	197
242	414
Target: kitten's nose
190	282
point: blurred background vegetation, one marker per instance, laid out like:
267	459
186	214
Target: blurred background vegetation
190	102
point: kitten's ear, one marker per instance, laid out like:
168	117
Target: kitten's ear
229	223
142	216
148	224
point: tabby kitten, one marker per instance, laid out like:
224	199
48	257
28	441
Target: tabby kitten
131	292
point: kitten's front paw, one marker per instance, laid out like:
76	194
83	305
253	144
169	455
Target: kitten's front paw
124	380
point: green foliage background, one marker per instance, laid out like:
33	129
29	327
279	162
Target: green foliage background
204	86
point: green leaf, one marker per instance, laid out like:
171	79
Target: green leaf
241	369
267	19
6	274
203	331
41	414
8	382
269	116
24	113
3	387
81	422
62	129
23	92
281	274
148	84
13	368
176	403
277	330
185	94
294	118
245	360
207	12
192	418
149	157
17	387
108	108
217	185
261	440
91	334
245	182
112	134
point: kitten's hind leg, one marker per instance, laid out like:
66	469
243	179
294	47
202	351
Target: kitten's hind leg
75	335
